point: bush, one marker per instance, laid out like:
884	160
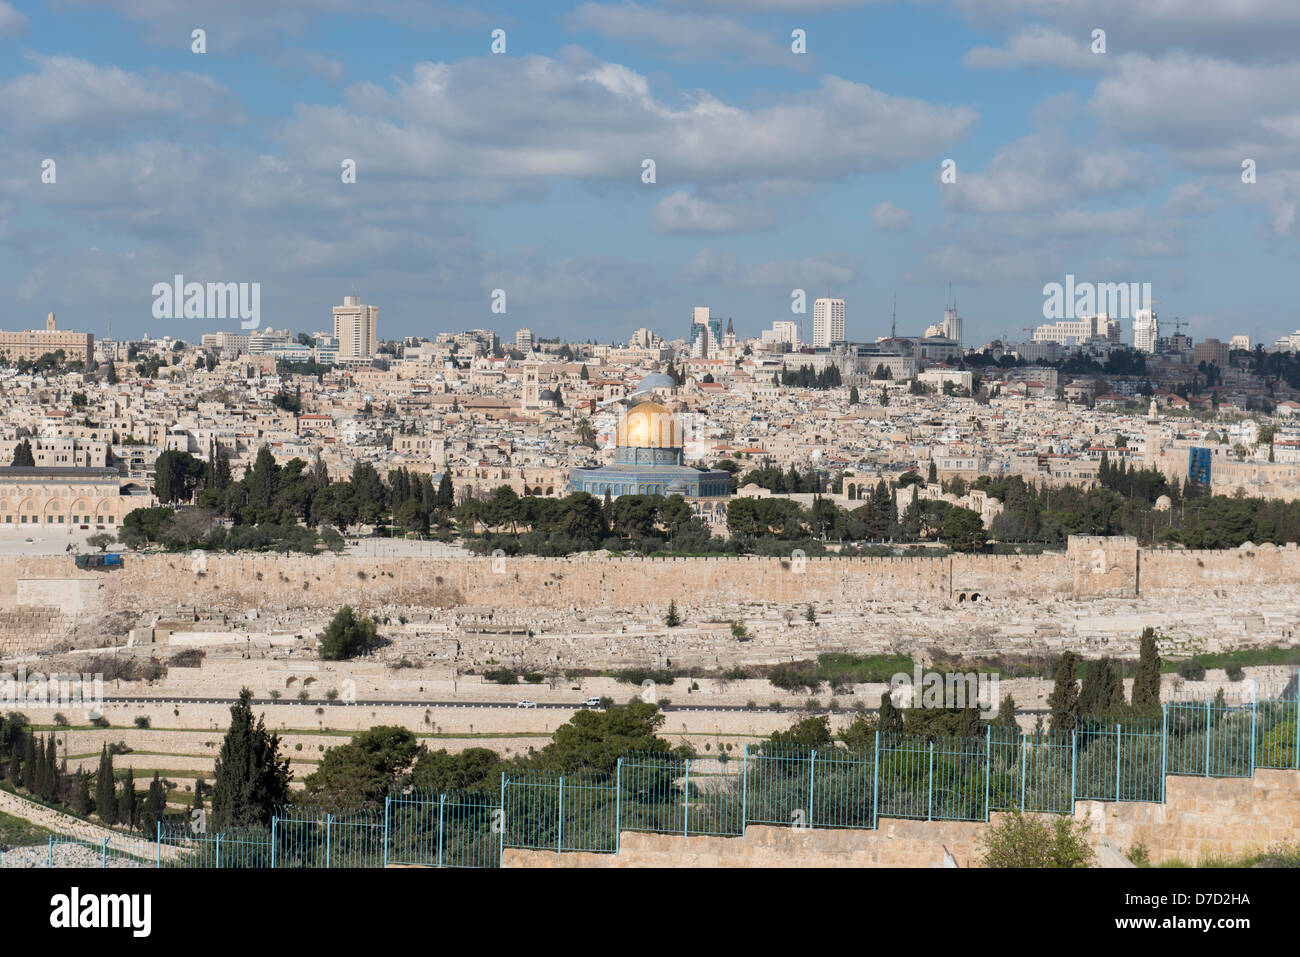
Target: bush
1139	855
1192	670
347	636
60	719
1024	840
1235	672
142	721
99	721
502	676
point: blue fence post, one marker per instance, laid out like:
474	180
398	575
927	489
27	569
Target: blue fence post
1254	709
1296	703
1024	760
812	775
929	811
442	801
105	852
329	821
875	787
387	798
501	835
686	801
157	861
559	814
988	750
1164	748
51	851
1208	706
744	788
274	821
1119	743
618	806
218	849
1074	766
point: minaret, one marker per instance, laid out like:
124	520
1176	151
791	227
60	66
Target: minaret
893	319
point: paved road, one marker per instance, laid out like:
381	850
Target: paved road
425	703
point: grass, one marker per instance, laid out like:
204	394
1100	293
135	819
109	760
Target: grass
1277	855
17	832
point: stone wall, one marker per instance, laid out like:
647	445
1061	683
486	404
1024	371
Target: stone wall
1201	816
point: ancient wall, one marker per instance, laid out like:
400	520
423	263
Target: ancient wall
1100	568
1201	816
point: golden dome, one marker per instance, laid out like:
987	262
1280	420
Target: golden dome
649	426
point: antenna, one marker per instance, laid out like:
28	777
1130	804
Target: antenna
893	320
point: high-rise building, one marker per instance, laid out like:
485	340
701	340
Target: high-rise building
828	322
356	327
524	340
1210	351
952	325
782	331
1146	330
1074	332
706	333
1239	343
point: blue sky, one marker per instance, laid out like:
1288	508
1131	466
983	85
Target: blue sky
774	170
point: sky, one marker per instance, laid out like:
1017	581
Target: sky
525	170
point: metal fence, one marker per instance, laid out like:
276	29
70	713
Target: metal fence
932	779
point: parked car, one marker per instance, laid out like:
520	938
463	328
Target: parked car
526	704
591	703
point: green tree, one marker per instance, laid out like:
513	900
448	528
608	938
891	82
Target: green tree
891	719
1063	702
23	455
50	781
963	530
155	804
1146	679
672	619
362	771
347	636
1026	840
810	733
81	794
595	740
33	766
106	789
126	801
251	777
1103	688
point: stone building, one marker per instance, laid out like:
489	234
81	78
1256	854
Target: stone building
64	497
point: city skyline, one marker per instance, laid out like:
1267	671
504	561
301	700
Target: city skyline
524	171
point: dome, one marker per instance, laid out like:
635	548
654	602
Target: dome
656	380
1164	503
547	395
649	426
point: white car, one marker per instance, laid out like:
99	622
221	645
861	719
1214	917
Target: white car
526	704
591	703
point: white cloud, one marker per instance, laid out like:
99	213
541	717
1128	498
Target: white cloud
1040	46
13	22
686	35
680	212
890	218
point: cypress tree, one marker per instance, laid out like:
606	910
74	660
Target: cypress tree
81	794
1064	699
15	770
199	785
51	792
251	777
1103	689
126	801
38	774
105	789
1146	680
1005	722
891	719
155	803
30	765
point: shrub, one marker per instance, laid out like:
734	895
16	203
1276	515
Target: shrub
60	719
142	721
1139	855
347	636
1023	840
99	721
1191	670
502	676
1235	672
